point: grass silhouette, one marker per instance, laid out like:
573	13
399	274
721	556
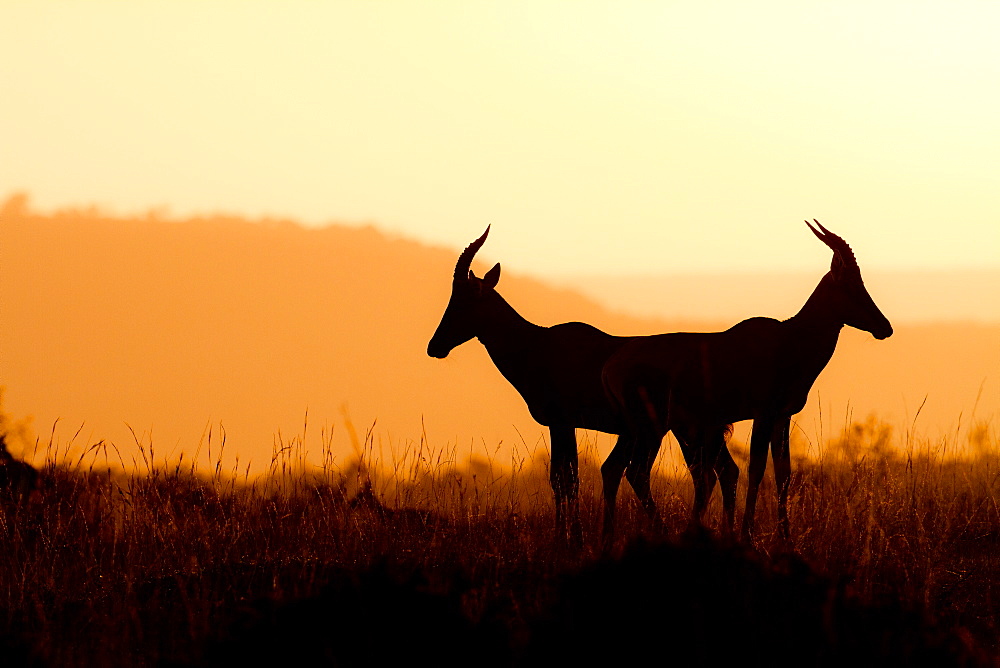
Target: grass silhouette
893	556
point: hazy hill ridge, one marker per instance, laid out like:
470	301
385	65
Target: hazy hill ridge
907	297
174	326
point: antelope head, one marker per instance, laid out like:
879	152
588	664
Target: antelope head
463	318
848	299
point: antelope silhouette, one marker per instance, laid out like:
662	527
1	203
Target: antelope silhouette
760	369
558	372
18	480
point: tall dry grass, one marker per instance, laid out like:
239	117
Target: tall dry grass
172	565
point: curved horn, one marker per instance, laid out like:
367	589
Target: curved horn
465	259
836	244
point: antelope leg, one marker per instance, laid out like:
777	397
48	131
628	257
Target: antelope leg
564	476
611	476
782	471
759	442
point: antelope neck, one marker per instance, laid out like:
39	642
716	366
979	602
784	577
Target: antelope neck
504	331
815	328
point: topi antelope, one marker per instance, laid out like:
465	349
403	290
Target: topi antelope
557	371
18	480
760	369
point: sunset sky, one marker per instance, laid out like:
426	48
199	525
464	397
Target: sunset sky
603	137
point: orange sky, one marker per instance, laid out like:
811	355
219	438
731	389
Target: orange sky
625	138
172	328
631	137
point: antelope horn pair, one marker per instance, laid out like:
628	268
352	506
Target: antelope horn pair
464	265
836	244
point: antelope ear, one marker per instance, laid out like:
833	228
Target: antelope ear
492	277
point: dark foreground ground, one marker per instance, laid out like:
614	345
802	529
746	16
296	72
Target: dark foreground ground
687	602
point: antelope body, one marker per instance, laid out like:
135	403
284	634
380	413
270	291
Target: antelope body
760	369
556	370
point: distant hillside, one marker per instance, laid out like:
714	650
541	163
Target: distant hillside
174	326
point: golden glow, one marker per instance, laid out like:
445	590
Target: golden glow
177	327
614	137
602	138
